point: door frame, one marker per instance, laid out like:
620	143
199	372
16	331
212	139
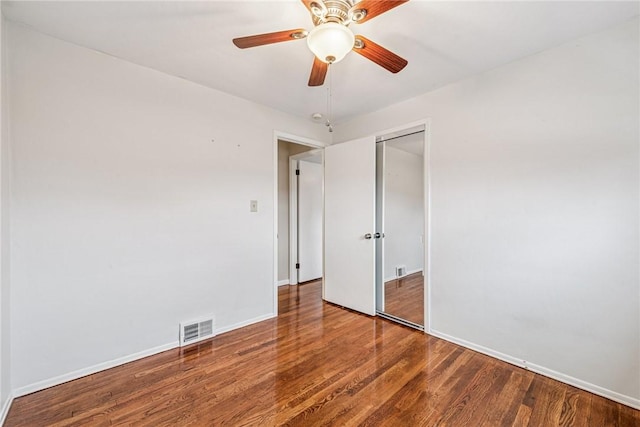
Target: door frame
293	210
283	136
427	207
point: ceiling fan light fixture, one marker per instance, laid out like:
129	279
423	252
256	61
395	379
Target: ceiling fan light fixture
330	42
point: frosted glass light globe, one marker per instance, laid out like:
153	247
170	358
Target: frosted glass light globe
330	42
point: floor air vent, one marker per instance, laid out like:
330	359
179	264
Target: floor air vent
196	330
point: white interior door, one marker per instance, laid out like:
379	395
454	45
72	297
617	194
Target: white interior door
309	220
349	203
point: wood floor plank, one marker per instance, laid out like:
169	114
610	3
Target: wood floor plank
604	413
484	399
318	364
473	377
575	408
627	417
372	385
395	381
547	405
523	416
435	395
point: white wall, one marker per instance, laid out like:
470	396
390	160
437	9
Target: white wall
535	215
130	207
5	343
285	149
403	211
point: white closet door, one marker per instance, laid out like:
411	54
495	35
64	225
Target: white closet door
349	203
309	220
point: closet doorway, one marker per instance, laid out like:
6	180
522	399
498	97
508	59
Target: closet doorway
376	230
400	225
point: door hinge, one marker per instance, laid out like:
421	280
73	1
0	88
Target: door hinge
297	265
297	171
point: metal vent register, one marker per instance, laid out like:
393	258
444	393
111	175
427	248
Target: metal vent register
196	330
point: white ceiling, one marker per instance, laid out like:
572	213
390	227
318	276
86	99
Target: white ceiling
443	42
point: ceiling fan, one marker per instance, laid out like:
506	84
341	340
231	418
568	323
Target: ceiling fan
331	39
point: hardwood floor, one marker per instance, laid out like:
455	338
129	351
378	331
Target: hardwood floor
404	298
318	364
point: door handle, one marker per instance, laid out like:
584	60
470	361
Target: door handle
367	236
377	235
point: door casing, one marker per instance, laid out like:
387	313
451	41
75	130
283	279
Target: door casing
282	136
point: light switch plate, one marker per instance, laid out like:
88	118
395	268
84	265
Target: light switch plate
253	206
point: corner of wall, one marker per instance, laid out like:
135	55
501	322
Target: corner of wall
4	409
6	396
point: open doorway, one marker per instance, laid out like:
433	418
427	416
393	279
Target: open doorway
305	216
298	154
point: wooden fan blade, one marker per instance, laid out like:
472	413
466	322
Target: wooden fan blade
269	38
374	8
318	72
381	56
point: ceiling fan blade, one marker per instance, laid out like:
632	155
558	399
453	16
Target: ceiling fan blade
318	72
378	54
269	38
374	8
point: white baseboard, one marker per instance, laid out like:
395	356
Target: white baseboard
409	272
5	408
584	385
283	282
41	385
244	323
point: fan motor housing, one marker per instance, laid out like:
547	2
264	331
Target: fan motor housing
337	11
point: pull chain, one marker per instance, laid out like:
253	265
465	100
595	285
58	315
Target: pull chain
329	99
